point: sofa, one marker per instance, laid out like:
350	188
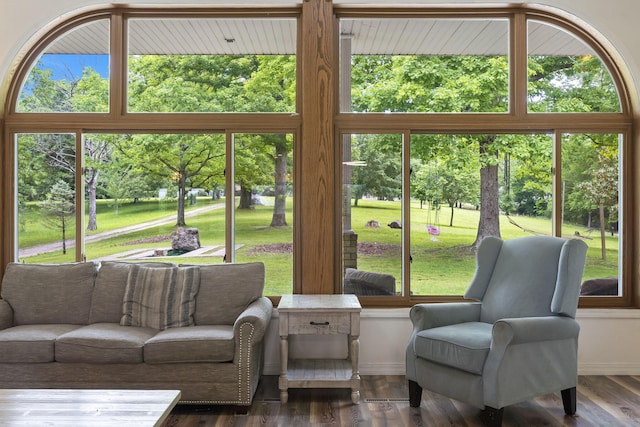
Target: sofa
119	325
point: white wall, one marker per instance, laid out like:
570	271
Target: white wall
608	345
609	339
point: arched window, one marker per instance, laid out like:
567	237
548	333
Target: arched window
129	123
500	140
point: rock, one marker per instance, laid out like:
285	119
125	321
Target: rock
185	239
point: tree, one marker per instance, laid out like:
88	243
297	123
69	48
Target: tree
450	84
59	210
458	185
225	83
195	161
272	88
441	84
88	93
279	217
602	190
380	174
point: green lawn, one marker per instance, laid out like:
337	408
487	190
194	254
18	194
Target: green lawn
441	267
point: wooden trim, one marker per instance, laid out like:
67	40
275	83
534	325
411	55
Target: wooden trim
483	122
79	191
6	219
117	67
316	149
230	197
406	214
556	183
518	65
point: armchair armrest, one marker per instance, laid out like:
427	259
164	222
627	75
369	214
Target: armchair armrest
6	315
251	325
524	349
533	329
427	316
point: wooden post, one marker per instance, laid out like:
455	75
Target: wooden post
316	166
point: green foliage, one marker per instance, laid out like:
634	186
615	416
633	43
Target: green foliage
570	84
58	210
211	83
385	83
379	174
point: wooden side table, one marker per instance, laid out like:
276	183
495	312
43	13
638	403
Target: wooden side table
319	315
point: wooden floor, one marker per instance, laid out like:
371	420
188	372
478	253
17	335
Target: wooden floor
602	401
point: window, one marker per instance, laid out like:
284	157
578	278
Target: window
418	198
124	193
211	65
565	74
401	137
426	64
72	74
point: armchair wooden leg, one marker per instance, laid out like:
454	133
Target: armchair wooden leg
415	394
492	417
569	400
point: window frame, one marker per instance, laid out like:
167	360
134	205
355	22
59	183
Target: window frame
517	120
328	252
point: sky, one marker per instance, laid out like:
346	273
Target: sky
65	66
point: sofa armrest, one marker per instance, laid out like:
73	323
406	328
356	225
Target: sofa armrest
6	315
251	326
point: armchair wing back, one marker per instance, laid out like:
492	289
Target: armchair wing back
529	276
518	340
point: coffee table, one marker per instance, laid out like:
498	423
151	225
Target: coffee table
95	408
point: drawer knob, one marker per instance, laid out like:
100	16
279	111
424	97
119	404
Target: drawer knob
319	323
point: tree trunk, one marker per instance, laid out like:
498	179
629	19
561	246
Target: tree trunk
602	232
92	180
181	196
64	235
489	224
451	220
245	198
279	218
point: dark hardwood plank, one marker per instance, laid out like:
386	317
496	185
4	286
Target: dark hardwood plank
602	401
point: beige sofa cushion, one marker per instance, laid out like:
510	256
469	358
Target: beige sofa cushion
31	343
103	343
160	298
226	290
49	293
111	281
191	345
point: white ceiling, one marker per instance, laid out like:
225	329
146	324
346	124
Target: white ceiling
423	36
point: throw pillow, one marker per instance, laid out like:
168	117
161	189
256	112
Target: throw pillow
160	298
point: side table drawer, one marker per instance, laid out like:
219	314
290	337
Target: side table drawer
320	323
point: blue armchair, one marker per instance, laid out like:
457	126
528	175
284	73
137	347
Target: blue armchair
517	340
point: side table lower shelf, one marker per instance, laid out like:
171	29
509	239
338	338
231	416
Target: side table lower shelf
321	373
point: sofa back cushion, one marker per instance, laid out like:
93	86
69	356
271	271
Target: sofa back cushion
111	281
49	293
226	290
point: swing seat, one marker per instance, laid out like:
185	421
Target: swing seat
433	230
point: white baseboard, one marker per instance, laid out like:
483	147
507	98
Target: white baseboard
365	369
398	369
609	369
